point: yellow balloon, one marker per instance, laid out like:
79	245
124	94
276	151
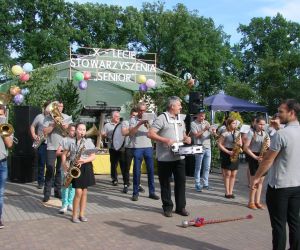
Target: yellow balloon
141	79
14	90
17	70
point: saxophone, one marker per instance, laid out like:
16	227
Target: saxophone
264	146
236	149
74	168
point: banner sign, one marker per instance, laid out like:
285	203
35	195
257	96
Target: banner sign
112	64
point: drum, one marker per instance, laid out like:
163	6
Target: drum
190	149
118	139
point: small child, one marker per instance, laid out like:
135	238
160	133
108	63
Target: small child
69	192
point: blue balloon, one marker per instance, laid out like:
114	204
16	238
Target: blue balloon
187	98
27	67
25	91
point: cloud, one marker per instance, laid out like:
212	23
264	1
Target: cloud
288	8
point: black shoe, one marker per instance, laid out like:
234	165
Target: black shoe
46	199
183	212
125	189
141	189
57	195
1	224
154	196
115	183
40	186
227	196
168	213
232	196
135	198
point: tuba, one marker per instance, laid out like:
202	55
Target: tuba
57	117
236	149
93	131
74	169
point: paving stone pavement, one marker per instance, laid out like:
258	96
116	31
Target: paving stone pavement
116	222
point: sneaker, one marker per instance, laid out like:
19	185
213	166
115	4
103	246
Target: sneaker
154	196
168	213
182	212
125	189
135	198
63	210
75	220
70	207
83	219
141	189
1	224
198	188
208	188
115	183
46	199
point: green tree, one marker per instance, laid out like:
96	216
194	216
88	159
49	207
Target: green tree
271	59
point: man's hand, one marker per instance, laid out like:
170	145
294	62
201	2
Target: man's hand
187	140
254	183
141	122
170	142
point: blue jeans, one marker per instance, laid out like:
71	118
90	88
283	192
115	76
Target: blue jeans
3	177
139	154
42	154
205	160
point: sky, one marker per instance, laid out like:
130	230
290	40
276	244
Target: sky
227	13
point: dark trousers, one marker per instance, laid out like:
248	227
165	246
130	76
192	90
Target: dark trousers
128	156
50	166
115	158
42	155
139	154
165	171
284	206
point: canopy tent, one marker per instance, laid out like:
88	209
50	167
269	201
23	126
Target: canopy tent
222	102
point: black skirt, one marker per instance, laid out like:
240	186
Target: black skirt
253	164
226	162
86	177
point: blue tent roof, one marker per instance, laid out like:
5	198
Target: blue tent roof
222	102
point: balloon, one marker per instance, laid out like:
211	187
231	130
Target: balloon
141	79
187	76
187	98
191	82
86	75
18	99
24	77
27	67
78	76
143	87
197	83
14	90
82	85
150	83
17	70
25	91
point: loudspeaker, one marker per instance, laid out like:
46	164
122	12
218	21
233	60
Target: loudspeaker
190	165
195	102
21	168
23	117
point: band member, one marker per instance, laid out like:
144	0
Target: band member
200	129
54	136
69	192
5	143
37	126
128	152
228	141
255	145
86	177
283	192
115	155
142	149
166	130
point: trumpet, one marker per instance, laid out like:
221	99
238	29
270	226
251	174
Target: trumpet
7	129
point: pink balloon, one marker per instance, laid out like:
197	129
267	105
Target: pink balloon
87	75
24	77
150	83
